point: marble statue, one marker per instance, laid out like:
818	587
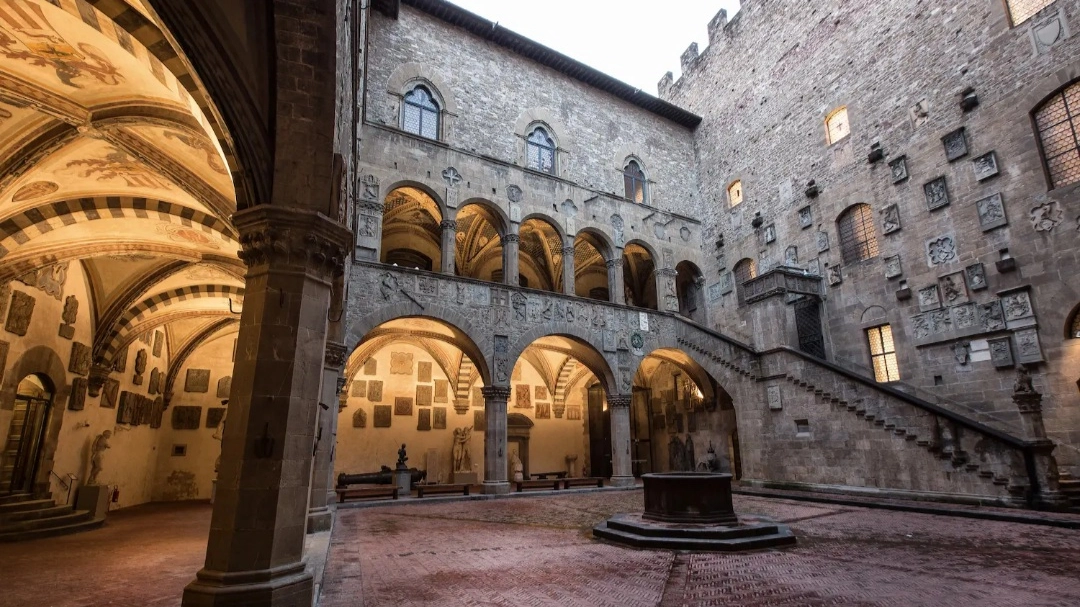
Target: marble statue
97	450
219	431
1023	381
517	468
462	450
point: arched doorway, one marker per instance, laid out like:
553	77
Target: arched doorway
26	434
688	286
411	232
639	276
680	418
590	267
478	249
540	256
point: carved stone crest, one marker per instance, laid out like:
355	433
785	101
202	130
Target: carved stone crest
513	193
961	350
1028	349
451	176
898	169
919	113
937	193
955	145
1046	216
890	219
770	233
976	276
991	317
1017	305
791	256
940	250
953	289
929	298
892	267
985	166
835	276
991	212
822	241
806	217
1000	352
1048	32
370	185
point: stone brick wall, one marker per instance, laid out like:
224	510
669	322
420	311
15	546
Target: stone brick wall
492	90
764	87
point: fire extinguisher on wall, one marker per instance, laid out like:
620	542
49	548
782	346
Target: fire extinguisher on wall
116	494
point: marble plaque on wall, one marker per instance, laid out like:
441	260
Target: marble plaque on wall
155	379
19	313
985	166
120	360
955	145
541	392
423	371
929	298
359	388
438	418
109	391
479	421
224	386
478	397
79	363
197	380
159	341
442	391
543	411
423	396
383	416
423	420
1028	349
953	289
371	367
401	363
991	212
359	418
976	276
1000	352
374	392
213	416
573	412
937	194
77	399
5	347
403	405
185	417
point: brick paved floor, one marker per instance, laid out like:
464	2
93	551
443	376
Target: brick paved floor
538	551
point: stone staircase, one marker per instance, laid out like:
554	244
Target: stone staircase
974	459
25	516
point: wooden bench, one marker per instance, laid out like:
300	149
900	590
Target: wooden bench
345	493
422	490
588	481
547	475
537	484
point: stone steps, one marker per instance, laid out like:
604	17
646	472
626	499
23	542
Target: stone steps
722	539
24	518
28	515
35	534
23	505
11	498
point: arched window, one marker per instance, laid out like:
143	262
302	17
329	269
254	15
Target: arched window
734	193
1022	10
745	270
634	181
420	113
1058	122
857	238
836	125
540	151
1074	331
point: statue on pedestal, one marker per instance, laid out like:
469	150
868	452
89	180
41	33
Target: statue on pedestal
401	457
97	450
1023	381
462	451
517	468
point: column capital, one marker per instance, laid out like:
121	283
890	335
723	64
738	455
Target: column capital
618	401
305	240
496	392
511	238
335	355
614	263
666	272
448	224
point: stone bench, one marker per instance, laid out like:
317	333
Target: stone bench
589	481
547	475
422	490
345	493
537	484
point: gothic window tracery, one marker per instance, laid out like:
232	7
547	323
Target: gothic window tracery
540	151
1057	121
634	181
420	113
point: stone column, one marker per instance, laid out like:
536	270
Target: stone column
667	298
319	515
449	245
568	277
510	259
622	472
495	398
616	290
255	551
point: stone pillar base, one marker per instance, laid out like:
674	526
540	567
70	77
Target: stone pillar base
289	586
622	481
496	487
319	519
94	499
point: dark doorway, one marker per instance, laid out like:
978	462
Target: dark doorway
808	324
736	459
640	435
599	434
26	435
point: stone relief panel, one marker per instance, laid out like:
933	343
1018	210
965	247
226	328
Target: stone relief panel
806	217
985	166
991	318
1048	31
941	250
976	276
423	372
79	363
438	418
371	367
929	298
1001	352
953	289
20	312
401	363
919	113
359	418
77	399
892	267
375	391
822	241
383	416
69	316
791	256
774	398
991	212
1017	307
1028	349
770	233
1044	216
898	169
727	282
185	417
964	317
424	396
955	144
197	380
423	419
937	193
403	405
890	219
835	275
442	391
224	387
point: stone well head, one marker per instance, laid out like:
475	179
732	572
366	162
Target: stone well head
689	498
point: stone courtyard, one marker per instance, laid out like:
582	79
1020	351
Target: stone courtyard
537	550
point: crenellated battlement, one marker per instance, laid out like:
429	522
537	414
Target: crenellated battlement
720	30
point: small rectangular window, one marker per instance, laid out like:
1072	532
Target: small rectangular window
837	126
179	450
883	354
1022	10
735	194
802	427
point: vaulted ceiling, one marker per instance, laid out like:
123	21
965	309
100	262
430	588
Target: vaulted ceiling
109	158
